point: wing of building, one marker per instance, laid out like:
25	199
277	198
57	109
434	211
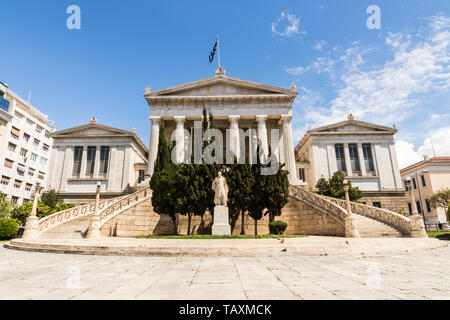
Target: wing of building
91	153
25	145
365	152
428	176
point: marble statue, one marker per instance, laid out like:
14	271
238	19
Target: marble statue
220	188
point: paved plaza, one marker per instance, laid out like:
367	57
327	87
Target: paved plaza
419	275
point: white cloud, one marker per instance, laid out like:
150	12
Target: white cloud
387	94
322	64
437	143
319	45
289	23
295	70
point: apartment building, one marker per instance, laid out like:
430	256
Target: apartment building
25	146
428	176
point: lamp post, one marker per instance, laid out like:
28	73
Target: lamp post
31	225
351	230
94	224
417	222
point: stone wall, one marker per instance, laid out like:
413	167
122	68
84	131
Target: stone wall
300	217
393	203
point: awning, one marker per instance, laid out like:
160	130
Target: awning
15	131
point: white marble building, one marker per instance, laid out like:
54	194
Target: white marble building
235	104
25	146
91	153
365	152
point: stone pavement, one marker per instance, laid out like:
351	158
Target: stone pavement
418	275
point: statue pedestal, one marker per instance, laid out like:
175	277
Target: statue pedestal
221	226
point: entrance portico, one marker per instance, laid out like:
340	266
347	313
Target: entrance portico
235	105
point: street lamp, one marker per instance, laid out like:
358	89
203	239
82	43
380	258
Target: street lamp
31	225
351	230
418	229
94	225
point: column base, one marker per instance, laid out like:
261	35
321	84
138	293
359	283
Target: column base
417	227
31	228
351	230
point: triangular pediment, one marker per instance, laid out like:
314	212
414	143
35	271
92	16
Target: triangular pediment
353	126
220	86
91	129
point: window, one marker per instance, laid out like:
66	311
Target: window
301	174
23	152
34	156
5	180
368	158
11	147
36	143
104	160
354	159
77	157
30	122
26	200
45	147
414	183
419	207
90	160
377	204
28	187
47	134
26	137
340	157
19	115
39	128
9	163
17	184
14	200
41	175
410	208
424	184
20	171
31	172
141	176
427	201
15	133
43	161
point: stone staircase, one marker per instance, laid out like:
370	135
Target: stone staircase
371	228
74	229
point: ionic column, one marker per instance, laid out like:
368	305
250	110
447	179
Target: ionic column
262	135
179	136
288	142
362	164
154	141
281	152
83	162
97	161
234	135
347	160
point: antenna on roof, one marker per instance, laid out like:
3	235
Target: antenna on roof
432	145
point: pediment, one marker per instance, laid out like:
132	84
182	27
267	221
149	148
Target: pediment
220	86
354	126
91	130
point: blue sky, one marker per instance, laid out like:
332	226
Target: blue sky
398	74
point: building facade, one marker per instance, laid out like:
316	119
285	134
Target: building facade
25	146
428	176
244	112
366	154
91	153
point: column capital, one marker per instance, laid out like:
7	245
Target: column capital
179	118
154	119
232	118
285	117
261	117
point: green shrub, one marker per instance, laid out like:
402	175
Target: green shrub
8	229
277	227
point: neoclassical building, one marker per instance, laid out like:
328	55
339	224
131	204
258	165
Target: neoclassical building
243	111
91	153
365	152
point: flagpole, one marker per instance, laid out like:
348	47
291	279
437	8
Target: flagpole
218	45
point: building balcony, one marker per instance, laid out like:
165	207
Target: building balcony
4	104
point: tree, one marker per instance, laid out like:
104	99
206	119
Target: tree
441	199
6	206
163	182
51	199
277	192
240	181
334	187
